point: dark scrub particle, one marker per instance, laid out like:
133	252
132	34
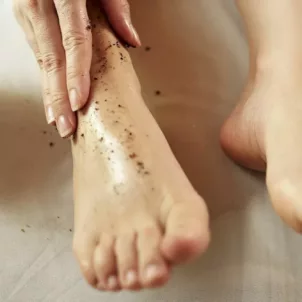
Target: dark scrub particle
133	155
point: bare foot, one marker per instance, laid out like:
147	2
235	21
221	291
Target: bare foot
264	130
136	213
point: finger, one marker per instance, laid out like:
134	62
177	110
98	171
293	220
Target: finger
118	13
77	42
31	40
44	79
48	37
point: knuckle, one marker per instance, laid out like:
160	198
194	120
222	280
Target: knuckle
46	96
58	99
40	63
75	73
31	4
74	39
39	59
51	63
72	74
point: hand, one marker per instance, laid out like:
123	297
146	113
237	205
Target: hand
59	33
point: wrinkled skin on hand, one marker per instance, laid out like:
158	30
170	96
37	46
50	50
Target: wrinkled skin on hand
59	33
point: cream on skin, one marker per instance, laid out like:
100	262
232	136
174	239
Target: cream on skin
136	213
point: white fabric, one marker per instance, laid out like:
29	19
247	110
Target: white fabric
198	54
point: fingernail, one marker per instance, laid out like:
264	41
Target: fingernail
152	272
112	282
64	126
74	100
134	32
131	277
49	115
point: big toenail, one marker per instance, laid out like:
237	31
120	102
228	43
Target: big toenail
152	272
112	282
131	277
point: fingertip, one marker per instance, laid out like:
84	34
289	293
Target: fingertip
127	32
135	39
78	94
75	99
118	13
66	124
50	117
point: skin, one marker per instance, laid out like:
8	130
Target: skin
59	33
263	133
136	213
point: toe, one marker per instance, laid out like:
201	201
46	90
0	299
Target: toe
126	255
153	269
83	248
285	196
105	264
187	232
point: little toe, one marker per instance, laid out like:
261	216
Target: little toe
126	254
152	267
187	232
83	248
105	264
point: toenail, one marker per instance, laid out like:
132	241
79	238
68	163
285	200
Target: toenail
152	272
100	286
112	282
131	277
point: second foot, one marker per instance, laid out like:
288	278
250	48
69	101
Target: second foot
264	133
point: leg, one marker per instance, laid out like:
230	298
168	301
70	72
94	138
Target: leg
264	130
135	210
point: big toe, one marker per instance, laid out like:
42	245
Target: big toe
187	232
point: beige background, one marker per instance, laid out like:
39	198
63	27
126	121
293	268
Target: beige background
198	53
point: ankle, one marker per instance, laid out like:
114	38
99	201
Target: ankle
280	68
